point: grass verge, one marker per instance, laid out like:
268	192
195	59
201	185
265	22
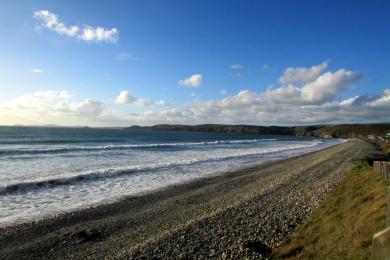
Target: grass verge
343	226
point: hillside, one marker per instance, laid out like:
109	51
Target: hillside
338	131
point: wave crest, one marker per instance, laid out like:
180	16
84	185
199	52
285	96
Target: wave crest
56	150
113	172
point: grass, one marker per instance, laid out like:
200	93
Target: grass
343	226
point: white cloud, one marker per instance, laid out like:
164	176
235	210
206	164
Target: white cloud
51	107
193	81
329	85
87	33
246	107
302	75
253	108
236	66
125	98
99	34
40	98
85	108
51	21
223	92
384	100
56	101
315	102
322	89
35	70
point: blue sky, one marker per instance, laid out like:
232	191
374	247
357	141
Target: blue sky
158	44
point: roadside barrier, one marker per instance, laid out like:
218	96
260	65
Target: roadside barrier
383	168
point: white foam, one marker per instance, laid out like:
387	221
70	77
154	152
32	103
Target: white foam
145	171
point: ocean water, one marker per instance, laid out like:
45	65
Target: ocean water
46	171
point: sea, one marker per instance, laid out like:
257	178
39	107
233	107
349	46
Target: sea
45	171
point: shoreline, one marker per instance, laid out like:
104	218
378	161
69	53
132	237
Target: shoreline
159	213
118	199
124	198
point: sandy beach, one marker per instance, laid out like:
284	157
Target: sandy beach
249	213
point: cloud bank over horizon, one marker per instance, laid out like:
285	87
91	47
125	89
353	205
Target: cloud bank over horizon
305	96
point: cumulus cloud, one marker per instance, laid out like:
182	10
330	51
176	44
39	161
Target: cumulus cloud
125	98
236	66
50	107
58	102
192	81
383	101
329	85
40	99
321	89
99	34
87	33
316	102
302	75
85	108
311	100
51	21
247	107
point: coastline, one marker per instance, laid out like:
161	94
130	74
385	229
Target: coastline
133	225
17	219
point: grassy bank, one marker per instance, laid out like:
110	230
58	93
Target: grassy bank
343	226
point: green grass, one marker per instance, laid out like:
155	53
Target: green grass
343	226
361	166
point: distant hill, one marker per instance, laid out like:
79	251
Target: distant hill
345	130
329	131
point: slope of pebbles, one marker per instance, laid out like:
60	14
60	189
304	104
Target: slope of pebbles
257	226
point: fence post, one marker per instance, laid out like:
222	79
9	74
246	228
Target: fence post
383	168
381	245
388	206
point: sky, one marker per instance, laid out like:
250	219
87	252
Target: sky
121	63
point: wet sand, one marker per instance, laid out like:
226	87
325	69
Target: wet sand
245	213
